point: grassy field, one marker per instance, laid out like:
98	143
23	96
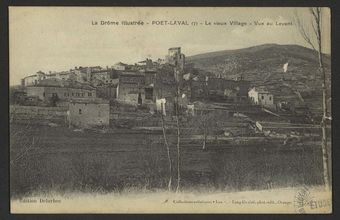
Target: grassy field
59	159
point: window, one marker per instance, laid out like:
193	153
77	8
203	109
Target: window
79	111
148	93
72	94
44	94
89	94
270	98
262	97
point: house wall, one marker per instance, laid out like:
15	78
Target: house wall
79	75
89	114
63	76
63	93
31	80
150	78
266	99
35	91
253	95
129	88
128	93
119	67
101	75
107	92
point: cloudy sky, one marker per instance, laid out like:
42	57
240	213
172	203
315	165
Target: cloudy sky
59	38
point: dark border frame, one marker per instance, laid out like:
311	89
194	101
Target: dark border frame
4	110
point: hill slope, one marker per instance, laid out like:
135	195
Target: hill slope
263	65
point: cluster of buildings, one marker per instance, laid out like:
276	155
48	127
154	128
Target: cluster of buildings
155	84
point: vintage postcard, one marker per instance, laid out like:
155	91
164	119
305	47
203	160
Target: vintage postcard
170	110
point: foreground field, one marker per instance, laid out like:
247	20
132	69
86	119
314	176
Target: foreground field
59	159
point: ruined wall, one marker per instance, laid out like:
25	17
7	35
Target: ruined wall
37	115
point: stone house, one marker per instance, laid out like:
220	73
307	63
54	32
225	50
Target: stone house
103	75
62	90
131	89
33	79
120	66
260	96
39	76
89	113
106	91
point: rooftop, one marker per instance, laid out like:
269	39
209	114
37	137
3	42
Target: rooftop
89	101
31	76
121	64
260	89
175	48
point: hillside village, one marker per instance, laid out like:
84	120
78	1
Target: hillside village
134	95
107	128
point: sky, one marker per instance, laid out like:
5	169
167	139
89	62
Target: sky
60	38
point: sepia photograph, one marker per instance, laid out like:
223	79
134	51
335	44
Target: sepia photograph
170	110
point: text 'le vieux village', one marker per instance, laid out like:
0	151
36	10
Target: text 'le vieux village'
189	23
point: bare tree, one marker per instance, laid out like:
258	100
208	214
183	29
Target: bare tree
176	94
178	137
166	142
313	37
204	122
168	151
